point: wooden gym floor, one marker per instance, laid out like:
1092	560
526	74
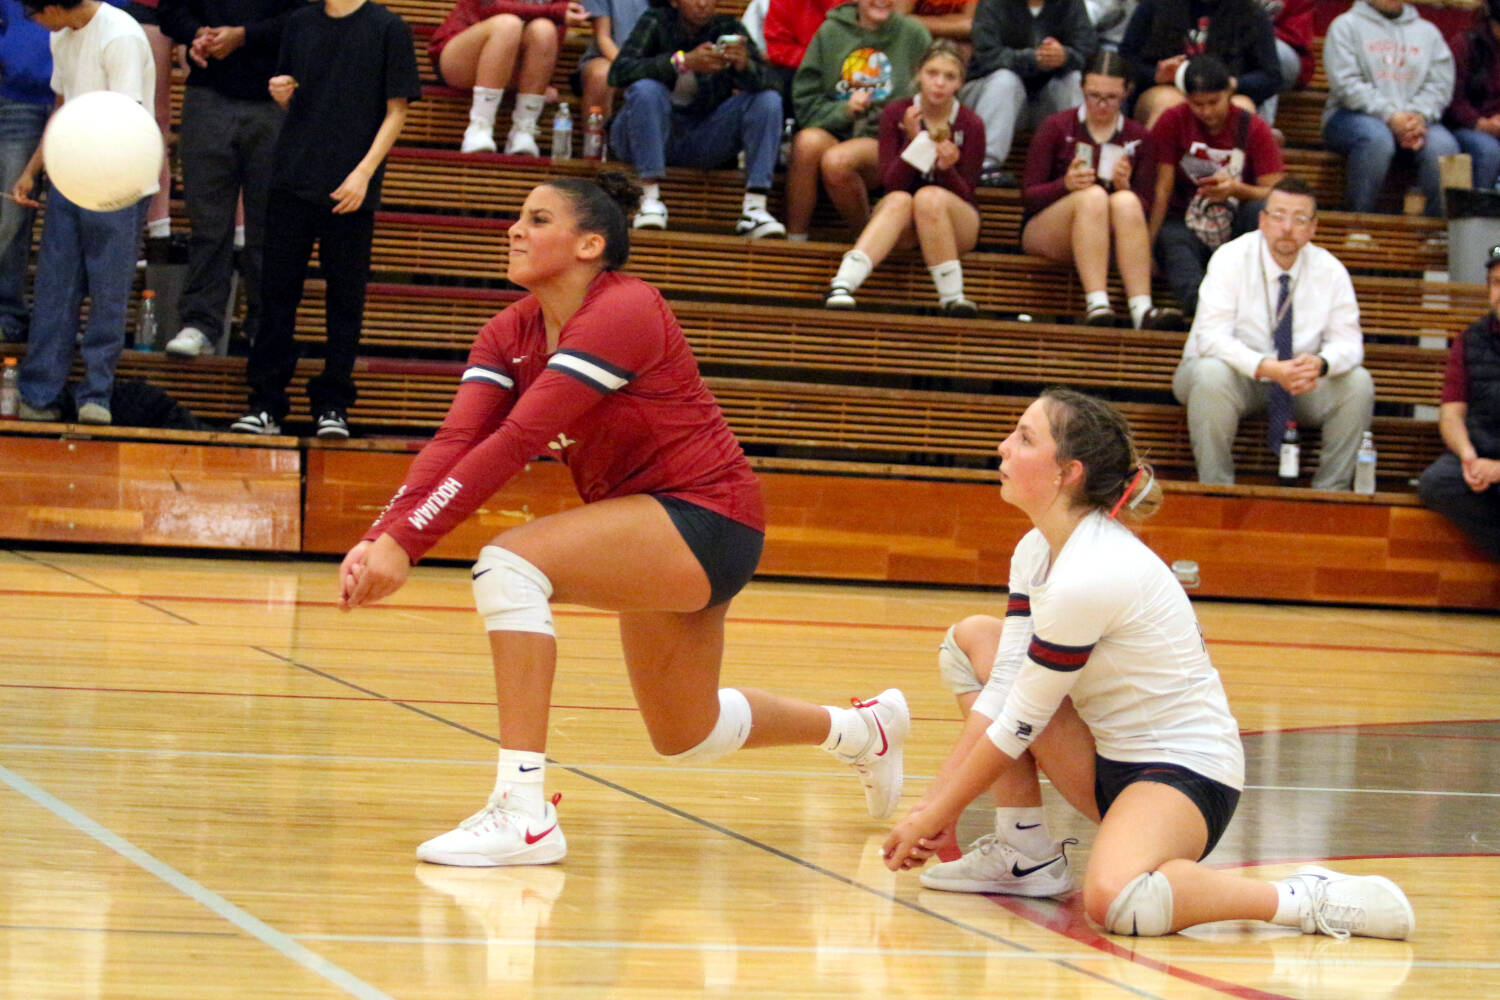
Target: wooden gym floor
211	784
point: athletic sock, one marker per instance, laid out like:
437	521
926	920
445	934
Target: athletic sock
1140	305
486	102
650	191
797	237
159	228
853	270
1025	829
1292	899
848	733
528	109
948	277
754	200
521	777
1092	299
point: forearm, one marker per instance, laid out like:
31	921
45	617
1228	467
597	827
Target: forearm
385	138
1454	431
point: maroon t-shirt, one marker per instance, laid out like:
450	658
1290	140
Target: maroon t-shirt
620	401
1179	132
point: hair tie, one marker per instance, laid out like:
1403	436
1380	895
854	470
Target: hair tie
1140	471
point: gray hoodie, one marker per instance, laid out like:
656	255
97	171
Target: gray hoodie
1380	65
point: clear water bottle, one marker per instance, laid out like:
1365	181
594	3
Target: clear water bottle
1290	465
562	134
10	390
593	135
784	154
145	322
1364	465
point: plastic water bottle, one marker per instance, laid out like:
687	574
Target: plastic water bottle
145	322
10	390
562	134
593	135
1290	465
1364	465
784	154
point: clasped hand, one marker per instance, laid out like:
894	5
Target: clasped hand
371	571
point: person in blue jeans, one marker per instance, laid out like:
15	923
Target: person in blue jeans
94	47
1474	115
1390	77
25	102
696	93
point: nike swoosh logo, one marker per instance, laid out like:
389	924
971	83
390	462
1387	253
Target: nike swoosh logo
1027	826
1020	872
532	838
885	744
522	767
482	572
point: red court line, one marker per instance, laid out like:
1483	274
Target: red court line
735	619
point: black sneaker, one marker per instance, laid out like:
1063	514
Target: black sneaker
960	308
1164	318
333	426
994	177
259	422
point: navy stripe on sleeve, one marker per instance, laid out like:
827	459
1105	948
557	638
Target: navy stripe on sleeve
1019	605
1055	656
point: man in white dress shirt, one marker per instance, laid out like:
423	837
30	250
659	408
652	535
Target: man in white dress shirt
1277	331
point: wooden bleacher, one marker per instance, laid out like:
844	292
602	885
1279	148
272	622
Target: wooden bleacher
852	416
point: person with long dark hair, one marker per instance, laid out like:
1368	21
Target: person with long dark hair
1164	34
1474	115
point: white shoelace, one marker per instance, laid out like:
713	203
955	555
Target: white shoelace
1333	919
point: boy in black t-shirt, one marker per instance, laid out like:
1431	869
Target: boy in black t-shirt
346	72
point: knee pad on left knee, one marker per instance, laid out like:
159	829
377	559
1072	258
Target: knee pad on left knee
1143	908
510	593
729	733
956	668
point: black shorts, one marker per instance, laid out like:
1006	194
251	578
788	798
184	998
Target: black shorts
142	14
727	550
1215	800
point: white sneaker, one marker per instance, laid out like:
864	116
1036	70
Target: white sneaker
189	343
879	763
651	215
759	224
991	865
838	297
478	139
521	142
256	423
496	835
1363	905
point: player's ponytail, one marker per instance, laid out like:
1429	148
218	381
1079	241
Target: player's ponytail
1096	435
603	205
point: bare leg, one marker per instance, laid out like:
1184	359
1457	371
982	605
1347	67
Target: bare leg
161	55
889	223
947	226
1154	827
597	93
1155	100
1132	242
483	54
808	147
1074	228
849	170
539	43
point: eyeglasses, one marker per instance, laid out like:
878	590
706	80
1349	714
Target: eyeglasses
1098	98
1300	219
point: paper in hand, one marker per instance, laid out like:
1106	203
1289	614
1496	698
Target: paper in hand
921	152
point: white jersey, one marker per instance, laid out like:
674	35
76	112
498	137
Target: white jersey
1109	625
108	53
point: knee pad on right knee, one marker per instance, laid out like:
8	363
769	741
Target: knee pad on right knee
1143	908
730	731
510	593
955	667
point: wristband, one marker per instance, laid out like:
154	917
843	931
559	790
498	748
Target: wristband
1324	372
679	61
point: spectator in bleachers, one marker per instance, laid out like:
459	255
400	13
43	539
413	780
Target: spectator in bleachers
788	28
930	151
485	44
1390	77
694	101
225	144
950	19
25	102
1088	179
1277	331
1464	484
158	213
1164	34
345	74
94	47
857	62
1110	18
1474	115
1215	162
1292	22
610	23
1027	64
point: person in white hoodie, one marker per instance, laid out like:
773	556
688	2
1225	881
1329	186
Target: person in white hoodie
1390	77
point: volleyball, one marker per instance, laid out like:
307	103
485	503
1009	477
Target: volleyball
102	150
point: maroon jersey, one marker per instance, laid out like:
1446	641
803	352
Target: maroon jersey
620	401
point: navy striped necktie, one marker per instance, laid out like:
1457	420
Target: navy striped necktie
1279	406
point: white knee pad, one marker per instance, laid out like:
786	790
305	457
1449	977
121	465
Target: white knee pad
510	593
955	667
1143	908
728	735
